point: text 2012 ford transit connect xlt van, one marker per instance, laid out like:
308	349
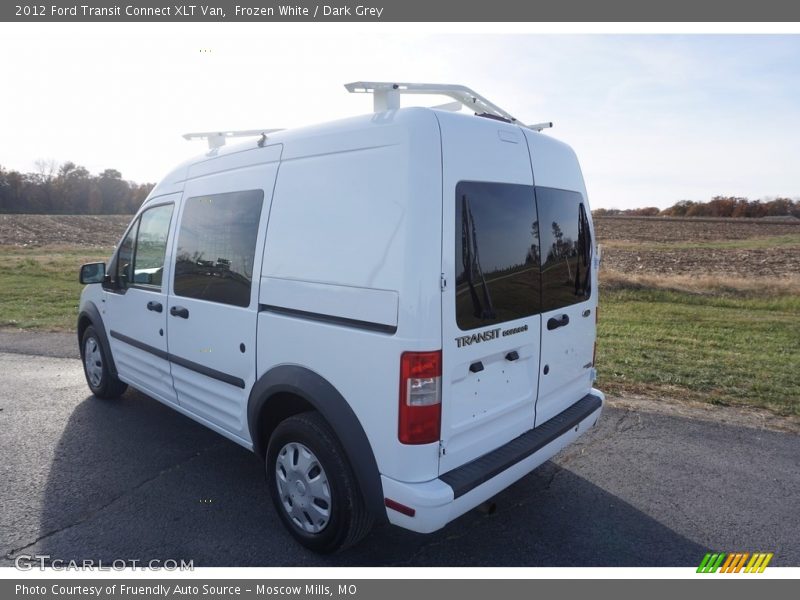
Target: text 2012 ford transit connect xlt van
396	311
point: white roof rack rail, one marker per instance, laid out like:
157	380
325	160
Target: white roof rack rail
386	96
216	139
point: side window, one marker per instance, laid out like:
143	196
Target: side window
497	253
216	247
151	246
123	273
566	248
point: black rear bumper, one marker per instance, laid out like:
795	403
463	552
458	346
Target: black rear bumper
472	474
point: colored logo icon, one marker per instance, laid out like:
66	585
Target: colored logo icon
735	562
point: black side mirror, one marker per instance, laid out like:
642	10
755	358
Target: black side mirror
93	273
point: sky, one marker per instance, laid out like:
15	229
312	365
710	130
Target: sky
654	119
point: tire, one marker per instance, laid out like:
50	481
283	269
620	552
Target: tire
95	359
313	487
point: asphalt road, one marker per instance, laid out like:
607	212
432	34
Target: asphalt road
82	478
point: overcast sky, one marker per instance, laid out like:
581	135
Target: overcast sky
654	118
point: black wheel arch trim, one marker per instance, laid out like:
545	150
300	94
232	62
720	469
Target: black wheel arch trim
327	400
91	313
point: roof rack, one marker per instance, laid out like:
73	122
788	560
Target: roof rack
386	96
216	139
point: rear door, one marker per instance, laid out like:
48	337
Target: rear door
213	303
568	309
569	279
490	303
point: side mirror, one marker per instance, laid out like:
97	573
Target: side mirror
93	273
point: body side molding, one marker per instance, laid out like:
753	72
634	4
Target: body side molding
185	363
332	319
140	345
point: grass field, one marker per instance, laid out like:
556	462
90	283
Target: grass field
706	311
723	328
39	287
724	350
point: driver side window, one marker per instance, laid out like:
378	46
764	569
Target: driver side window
123	275
140	259
151	246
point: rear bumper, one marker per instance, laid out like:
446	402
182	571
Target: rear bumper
441	500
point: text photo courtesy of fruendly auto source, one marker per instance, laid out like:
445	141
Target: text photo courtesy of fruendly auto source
410	309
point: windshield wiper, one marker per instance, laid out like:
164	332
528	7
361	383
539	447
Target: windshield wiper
472	261
466	257
585	250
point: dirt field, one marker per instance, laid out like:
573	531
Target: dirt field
648	246
668	230
719	248
773	262
70	230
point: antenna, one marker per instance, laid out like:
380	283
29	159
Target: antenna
216	139
386	96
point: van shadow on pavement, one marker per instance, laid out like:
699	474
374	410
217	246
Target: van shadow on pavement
132	479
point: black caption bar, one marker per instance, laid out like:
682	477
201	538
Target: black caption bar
408	10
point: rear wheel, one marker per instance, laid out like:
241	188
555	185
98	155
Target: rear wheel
95	367
313	487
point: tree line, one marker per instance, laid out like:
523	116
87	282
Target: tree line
69	189
718	206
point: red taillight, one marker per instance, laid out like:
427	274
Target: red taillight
420	397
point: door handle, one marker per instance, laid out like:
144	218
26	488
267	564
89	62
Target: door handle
476	367
556	322
512	356
179	311
155	306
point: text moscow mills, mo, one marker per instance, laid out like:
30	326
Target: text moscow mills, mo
199	10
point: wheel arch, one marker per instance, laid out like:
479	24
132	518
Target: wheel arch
290	389
90	315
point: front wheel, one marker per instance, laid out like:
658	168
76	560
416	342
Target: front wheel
313	487
95	367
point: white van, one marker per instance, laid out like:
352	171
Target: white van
396	311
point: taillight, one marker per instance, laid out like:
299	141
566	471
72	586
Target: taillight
420	397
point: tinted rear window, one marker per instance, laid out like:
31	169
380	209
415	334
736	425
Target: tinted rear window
497	253
566	248
216	247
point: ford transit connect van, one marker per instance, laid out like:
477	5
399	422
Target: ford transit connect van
395	311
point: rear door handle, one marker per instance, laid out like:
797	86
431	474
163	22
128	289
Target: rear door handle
476	367
179	311
512	356
154	306
556	322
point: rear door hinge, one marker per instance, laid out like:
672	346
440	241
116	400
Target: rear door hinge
443	282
